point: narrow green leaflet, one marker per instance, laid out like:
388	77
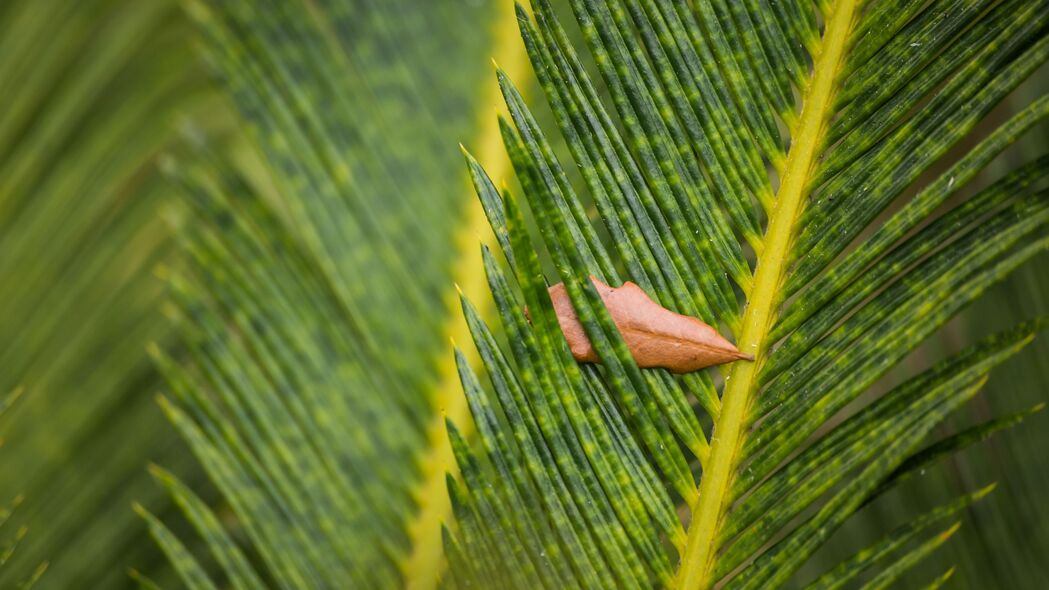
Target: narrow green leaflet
892	543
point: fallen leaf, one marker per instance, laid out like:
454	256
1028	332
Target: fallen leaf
656	336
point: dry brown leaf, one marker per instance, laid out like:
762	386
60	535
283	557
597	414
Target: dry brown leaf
656	336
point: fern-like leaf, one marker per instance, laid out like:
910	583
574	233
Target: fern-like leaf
856	261
313	303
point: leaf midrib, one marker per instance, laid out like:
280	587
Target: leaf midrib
698	555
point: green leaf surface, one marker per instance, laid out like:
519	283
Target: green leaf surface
313	302
93	93
832	300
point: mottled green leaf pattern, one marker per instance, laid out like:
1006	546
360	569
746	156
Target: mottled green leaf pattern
690	194
312	298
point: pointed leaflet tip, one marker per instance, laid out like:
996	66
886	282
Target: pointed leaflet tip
165	405
504	125
947	534
987	489
655	335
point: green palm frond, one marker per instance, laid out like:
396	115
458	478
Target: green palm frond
91	93
314	303
823	251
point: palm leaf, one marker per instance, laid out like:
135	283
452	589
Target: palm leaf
313	303
91	91
592	461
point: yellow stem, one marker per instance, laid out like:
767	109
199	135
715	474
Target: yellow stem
423	566
697	559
